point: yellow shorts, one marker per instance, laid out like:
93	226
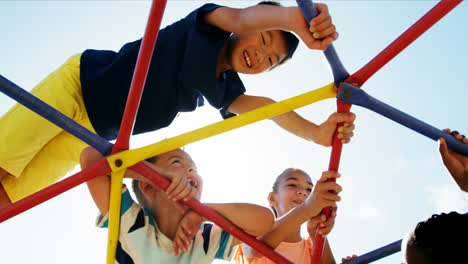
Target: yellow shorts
33	150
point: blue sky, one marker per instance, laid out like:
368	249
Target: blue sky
392	177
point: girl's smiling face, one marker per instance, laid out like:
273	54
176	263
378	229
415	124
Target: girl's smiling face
292	189
256	52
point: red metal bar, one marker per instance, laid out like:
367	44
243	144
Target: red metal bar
213	216
361	76
416	30
139	76
100	168
335	157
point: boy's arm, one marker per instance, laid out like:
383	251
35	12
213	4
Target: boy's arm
268	17
253	219
321	134
99	187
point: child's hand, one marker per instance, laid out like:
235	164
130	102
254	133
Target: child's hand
324	136
321	32
326	224
325	193
187	229
348	258
455	163
180	187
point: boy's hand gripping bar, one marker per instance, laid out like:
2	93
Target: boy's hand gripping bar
339	72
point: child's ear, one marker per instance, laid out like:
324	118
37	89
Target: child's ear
272	199
146	188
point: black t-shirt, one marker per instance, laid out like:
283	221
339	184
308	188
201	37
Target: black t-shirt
182	72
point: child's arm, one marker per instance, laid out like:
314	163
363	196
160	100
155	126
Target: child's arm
325	194
327	255
187	228
455	163
321	134
268	17
253	219
326	225
99	187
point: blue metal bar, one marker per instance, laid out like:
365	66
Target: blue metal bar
379	253
356	96
23	97
339	72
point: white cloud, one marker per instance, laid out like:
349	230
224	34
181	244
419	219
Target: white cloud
446	198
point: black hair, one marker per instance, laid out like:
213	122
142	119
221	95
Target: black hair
290	39
440	239
136	189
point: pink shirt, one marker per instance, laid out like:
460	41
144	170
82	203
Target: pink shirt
298	253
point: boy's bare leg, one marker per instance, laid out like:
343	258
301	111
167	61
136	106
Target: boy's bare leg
4	199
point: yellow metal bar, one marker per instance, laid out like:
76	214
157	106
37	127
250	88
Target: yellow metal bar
130	157
114	214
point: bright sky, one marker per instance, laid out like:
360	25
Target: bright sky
392	177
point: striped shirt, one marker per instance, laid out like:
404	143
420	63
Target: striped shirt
141	241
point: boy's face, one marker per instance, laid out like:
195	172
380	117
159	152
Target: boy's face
178	160
256	52
293	189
